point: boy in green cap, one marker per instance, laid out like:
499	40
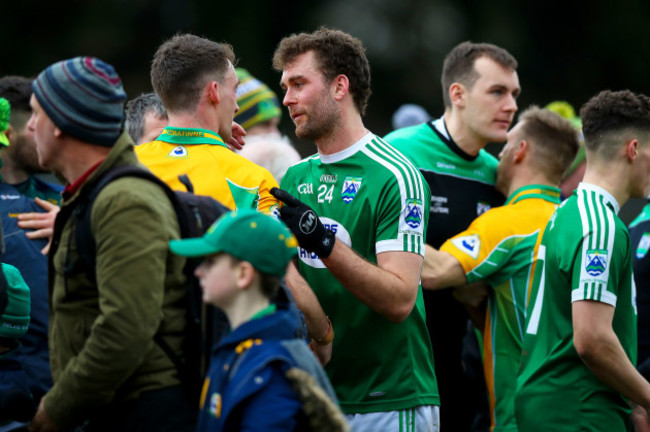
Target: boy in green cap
261	373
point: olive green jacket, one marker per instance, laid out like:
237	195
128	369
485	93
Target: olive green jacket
101	333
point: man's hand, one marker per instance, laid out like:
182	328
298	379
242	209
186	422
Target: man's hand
305	225
41	223
640	419
323	352
41	421
236	142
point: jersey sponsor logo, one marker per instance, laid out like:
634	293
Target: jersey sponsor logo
470	244
643	246
596	262
328	178
413	212
482	207
310	258
178	152
9	197
439	204
445	165
351	186
306	188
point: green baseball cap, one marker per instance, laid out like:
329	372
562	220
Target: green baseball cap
14	322
248	235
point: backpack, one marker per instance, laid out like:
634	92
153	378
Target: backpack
195	213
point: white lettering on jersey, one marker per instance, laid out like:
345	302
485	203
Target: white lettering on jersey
306	188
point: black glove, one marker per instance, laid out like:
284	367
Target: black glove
304	224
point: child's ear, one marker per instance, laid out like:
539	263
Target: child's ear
245	275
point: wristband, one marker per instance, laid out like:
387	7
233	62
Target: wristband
328	337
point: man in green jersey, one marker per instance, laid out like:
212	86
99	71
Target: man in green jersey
500	247
360	218
480	87
577	367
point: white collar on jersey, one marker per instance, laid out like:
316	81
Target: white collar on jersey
608	197
344	154
442	127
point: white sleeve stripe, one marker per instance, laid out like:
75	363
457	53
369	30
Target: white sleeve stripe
393	246
401	158
606	297
412	181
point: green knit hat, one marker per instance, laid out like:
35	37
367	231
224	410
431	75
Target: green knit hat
15	320
5	114
257	102
248	235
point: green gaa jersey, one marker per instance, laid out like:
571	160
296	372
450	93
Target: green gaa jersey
500	247
375	201
585	255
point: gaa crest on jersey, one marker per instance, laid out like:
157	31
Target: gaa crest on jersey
469	244
482	207
596	262
351	186
413	212
178	152
643	246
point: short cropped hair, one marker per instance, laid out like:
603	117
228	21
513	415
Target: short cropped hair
612	114
18	91
337	53
137	109
555	141
183	65
459	65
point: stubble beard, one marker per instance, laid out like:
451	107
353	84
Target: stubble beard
320	122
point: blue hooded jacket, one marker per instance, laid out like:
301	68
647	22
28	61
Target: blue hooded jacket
26	256
246	387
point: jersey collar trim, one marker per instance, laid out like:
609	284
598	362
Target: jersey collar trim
607	197
185	136
344	154
440	128
548	193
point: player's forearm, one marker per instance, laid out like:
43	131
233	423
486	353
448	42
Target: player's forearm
381	290
606	359
441	270
307	302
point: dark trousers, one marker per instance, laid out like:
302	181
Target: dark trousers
160	410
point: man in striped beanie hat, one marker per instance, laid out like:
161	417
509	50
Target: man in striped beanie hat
105	310
259	108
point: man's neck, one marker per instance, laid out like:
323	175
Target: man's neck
461	135
343	135
528	176
81	159
613	177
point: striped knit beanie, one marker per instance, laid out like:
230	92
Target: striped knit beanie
84	97
257	102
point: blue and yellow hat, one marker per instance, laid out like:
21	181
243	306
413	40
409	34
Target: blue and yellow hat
257	102
248	235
